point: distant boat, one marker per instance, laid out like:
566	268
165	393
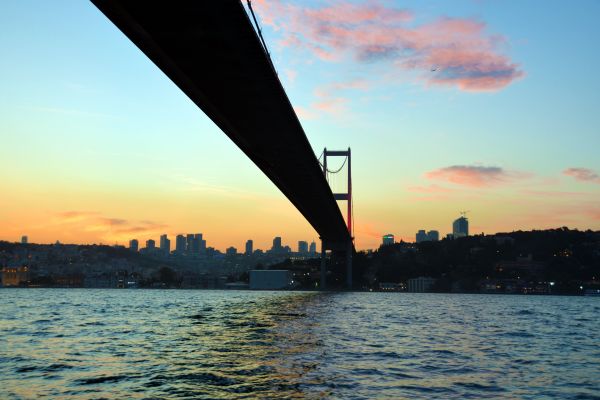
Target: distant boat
592	292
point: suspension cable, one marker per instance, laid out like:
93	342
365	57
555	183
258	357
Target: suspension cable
340	168
259	31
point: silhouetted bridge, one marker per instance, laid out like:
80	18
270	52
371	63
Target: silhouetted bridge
211	51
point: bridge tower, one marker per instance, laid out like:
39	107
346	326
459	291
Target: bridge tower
347	248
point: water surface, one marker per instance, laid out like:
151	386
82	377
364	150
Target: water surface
95	343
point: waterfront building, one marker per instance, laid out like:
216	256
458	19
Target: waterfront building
14	276
421	284
270	279
388	239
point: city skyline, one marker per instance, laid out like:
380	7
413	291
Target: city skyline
100	146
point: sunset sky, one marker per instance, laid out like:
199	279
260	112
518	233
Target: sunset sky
479	105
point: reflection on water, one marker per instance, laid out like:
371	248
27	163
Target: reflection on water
213	344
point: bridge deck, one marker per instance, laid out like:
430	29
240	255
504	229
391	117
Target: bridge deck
211	51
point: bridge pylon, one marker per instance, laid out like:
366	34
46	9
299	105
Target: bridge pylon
348	247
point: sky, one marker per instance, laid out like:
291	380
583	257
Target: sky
484	106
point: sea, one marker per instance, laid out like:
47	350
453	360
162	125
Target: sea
199	344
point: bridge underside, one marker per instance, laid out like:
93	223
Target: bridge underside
211	51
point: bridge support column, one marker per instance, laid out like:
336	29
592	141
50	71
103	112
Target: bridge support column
323	266
349	266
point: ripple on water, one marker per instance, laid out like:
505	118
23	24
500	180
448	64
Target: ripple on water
212	344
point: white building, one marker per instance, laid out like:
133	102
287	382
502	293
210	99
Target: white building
421	284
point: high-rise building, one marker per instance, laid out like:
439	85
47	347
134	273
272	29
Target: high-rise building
24	239
180	244
196	243
231	251
134	245
165	244
302	247
189	245
313	247
421	236
388	239
249	247
276	245
150	244
460	227
434	236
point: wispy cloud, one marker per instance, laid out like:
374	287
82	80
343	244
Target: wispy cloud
583	174
474	175
331	98
454	52
107	228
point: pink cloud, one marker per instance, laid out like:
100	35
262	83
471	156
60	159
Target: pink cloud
583	174
472	175
448	51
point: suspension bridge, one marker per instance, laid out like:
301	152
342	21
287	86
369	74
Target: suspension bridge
213	53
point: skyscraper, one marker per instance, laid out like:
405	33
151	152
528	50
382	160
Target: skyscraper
388	239
313	247
189	245
180	244
421	236
150	244
460	227
134	245
24	239
249	247
196	243
302	247
276	245
165	244
434	236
